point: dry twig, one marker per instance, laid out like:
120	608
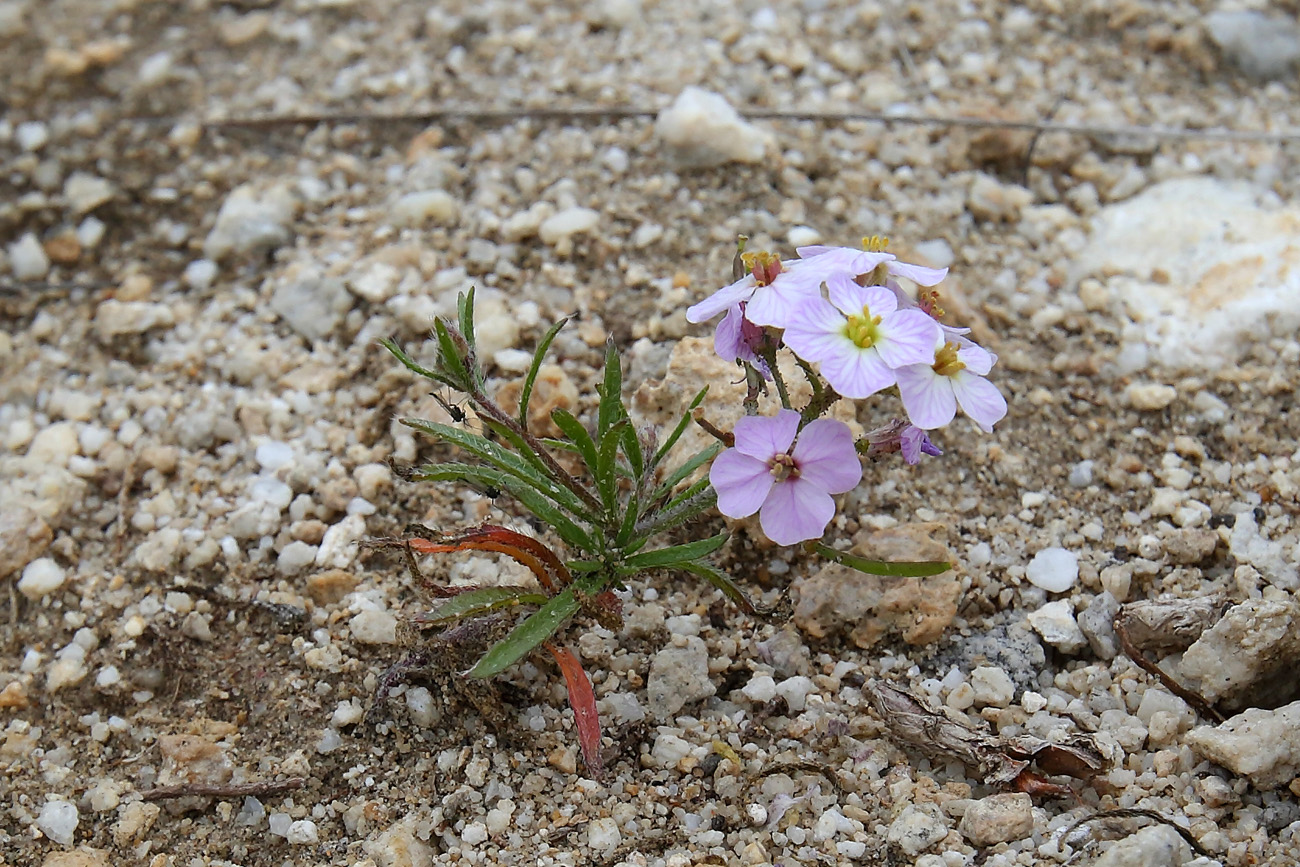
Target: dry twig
237	790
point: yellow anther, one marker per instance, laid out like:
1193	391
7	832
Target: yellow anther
875	243
946	362
863	330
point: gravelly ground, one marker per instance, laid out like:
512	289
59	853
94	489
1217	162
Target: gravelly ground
177	428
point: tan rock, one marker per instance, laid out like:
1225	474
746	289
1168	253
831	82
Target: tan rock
24	536
82	856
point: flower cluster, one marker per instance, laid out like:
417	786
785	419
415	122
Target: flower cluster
843	310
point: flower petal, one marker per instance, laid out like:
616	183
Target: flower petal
742	483
761	437
795	511
815	330
855	372
726	338
926	395
851	298
722	300
776	303
908	337
826	457
913	442
979	399
977	359
918	274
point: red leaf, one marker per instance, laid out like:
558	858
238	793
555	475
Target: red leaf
583	701
550	572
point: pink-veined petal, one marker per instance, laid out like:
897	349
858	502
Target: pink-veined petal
855	372
826	457
742	483
977	359
796	510
926	395
777	303
815	330
761	437
722	300
851	298
979	399
918	274
908	337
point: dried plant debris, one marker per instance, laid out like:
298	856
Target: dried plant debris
1000	761
1112	817
1169	625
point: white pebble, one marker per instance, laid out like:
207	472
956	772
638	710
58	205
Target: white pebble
32	135
567	223
302	833
803	236
419	701
374	627
1055	622
27	258
41	577
271	455
295	557
795	691
91	232
414	209
58	821
1053	569
702	130
280	823
760	689
475	834
1150	396
603	833
108	676
86	192
199	274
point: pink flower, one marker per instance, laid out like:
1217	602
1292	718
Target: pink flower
738	339
768	278
860	337
899	436
873	261
790	488
931	393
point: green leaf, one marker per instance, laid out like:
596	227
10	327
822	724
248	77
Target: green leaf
538	357
900	569
632	449
674	556
465	315
683	510
449	357
607	466
481	601
683	471
681	427
528	496
723	582
539	626
630	513
573	429
611	393
506	461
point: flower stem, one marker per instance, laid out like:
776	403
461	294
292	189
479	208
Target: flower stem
769	355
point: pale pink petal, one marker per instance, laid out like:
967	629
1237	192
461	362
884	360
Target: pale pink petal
854	372
816	329
722	300
851	298
979	399
761	437
795	511
908	337
777	303
977	359
826	457
918	274
926	395
742	483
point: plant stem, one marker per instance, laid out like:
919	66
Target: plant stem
769	355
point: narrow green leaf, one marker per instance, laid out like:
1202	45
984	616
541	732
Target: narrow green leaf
663	520
539	626
900	569
527	495
632	450
573	429
607	466
465	316
684	470
481	601
583	567
506	461
631	510
681	427
675	556
723	582
688	493
611	393
407	361
538	357
449	355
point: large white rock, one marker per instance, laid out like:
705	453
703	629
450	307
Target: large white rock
1205	266
1261	745
702	130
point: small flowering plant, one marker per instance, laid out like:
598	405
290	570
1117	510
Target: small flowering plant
608	494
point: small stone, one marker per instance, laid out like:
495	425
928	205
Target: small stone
1247	658
58	821
998	818
564	759
552	390
134	821
416	209
1053	569
40	578
702	130
114	317
14	695
85	192
669	749
252	221
200	274
795	690
302	833
1150	396
603	834
1097	623
327	588
1081	474
63	248
559	229
242	29
990	199
374	627
24	536
295	557
1055	622
339	547
1263	46
374	281
1153	846
82	856
68	668
917	828
993	686
27	258
679	676
760	689
32	135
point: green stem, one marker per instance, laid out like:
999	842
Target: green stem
769	355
